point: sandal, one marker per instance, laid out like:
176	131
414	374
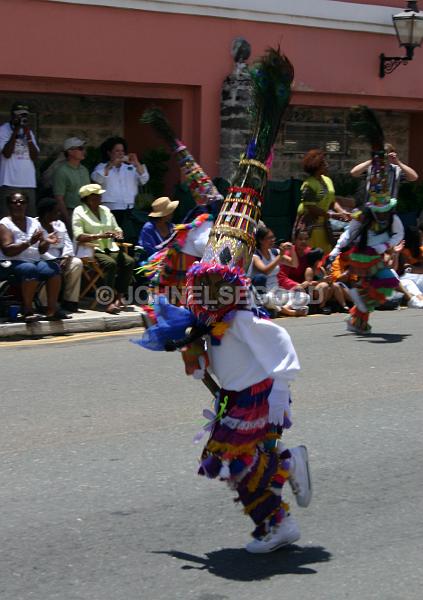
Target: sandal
112	309
30	318
59	315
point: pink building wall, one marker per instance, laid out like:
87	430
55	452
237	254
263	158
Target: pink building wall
81	49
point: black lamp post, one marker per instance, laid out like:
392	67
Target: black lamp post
409	29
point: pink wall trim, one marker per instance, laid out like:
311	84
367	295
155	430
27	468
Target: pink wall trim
395	3
69	48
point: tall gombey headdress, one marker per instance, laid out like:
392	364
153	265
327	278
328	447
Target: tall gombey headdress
364	123
200	185
232	240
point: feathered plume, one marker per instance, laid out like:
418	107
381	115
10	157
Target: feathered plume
364	123
157	120
272	77
199	183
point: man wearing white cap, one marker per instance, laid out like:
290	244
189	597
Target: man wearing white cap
19	150
69	177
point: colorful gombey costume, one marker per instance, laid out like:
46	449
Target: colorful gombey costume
252	358
371	233
168	267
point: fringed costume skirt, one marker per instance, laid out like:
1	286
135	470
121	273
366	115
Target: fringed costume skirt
376	282
242	450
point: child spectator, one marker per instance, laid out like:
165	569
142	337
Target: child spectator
289	276
265	269
320	284
61	251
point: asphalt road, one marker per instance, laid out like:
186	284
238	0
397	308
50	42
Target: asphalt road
99	494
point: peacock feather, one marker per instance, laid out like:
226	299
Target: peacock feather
157	120
364	123
271	77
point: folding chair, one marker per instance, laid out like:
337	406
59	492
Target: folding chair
91	272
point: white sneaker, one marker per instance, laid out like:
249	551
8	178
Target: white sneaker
415	302
287	532
357	299
299	476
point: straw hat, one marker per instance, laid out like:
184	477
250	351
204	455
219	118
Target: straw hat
162	207
89	189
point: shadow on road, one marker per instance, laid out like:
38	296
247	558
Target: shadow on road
236	564
377	338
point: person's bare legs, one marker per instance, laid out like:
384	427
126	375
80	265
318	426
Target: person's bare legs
338	292
323	293
28	289
53	285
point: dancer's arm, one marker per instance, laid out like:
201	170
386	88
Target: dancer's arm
396	237
345	238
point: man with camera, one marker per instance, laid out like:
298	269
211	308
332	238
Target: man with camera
19	151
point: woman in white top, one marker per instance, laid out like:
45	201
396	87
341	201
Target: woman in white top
265	263
120	175
61	251
22	242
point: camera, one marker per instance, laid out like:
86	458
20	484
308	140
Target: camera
23	121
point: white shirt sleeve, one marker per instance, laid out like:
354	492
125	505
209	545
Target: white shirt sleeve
144	176
34	141
270	344
348	235
197	239
98	175
68	249
273	349
396	237
5	134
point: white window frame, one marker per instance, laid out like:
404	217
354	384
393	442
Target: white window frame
327	14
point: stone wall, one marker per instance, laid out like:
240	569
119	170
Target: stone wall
234	130
56	117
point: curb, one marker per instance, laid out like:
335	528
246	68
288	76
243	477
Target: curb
95	323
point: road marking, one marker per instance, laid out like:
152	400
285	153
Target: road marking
76	337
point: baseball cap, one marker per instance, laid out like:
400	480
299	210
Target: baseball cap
20	108
73	142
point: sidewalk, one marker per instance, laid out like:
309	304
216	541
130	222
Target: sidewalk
83	321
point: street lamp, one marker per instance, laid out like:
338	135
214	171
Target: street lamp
409	29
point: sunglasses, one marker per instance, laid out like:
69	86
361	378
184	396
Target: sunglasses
19	201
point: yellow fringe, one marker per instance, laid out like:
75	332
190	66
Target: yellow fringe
229	450
283	505
261	467
254	504
284	474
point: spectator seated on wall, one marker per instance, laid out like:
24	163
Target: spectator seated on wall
264	272
61	251
320	286
23	243
94	224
